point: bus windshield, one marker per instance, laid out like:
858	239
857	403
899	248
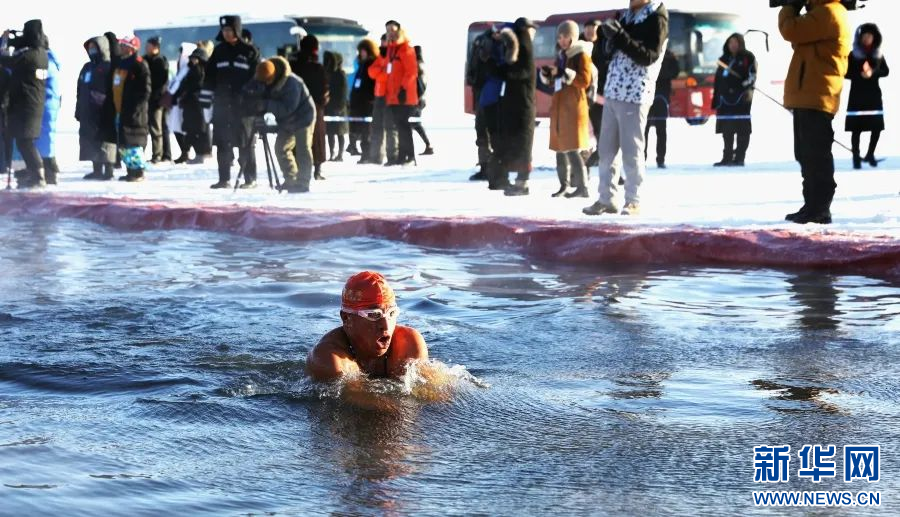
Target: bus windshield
697	39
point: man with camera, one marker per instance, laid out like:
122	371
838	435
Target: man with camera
821	41
26	88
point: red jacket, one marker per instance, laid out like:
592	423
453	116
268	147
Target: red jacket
378	73
402	73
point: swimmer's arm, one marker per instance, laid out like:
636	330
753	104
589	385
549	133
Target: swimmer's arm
324	365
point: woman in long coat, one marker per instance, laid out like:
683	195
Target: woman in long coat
733	99
865	107
569	114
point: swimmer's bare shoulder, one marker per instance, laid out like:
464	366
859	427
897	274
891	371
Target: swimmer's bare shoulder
330	359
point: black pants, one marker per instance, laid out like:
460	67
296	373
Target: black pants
743	142
813	136
405	150
482	138
157	121
31	155
417	126
661	139
246	161
873	143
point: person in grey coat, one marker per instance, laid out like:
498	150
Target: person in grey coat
89	100
288	99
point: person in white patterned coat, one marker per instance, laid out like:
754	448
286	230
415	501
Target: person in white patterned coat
636	43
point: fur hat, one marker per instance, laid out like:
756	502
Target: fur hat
568	29
265	72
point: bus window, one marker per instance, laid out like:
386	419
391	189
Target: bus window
270	35
713	31
545	43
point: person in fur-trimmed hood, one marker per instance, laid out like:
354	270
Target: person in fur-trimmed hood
865	109
636	41
568	79
510	86
89	100
288	99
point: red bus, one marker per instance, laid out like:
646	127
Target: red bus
696	39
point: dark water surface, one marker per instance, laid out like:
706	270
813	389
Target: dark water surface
162	373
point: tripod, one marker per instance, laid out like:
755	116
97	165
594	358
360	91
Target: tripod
271	168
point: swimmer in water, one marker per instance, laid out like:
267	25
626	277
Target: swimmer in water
369	339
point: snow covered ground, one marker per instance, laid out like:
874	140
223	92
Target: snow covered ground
689	192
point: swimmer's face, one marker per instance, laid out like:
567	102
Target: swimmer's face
370	338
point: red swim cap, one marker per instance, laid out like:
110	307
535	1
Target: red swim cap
366	290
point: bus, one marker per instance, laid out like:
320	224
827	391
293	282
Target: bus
273	36
696	39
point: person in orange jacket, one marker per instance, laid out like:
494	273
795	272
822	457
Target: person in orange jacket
402	89
383	139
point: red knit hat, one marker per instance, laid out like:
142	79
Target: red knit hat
366	290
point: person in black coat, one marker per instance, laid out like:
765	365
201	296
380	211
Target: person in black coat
865	109
512	150
231	66
362	95
659	112
193	123
306	66
159	79
130	98
733	98
337	104
26	90
421	87
477	71
89	100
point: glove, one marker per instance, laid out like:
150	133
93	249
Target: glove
401	96
611	28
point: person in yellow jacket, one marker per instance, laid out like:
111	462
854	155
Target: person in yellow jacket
821	40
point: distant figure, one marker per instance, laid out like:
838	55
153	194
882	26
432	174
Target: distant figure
659	111
159	80
46	143
865	109
733	99
89	100
369	339
336	105
402	94
362	97
306	66
421	86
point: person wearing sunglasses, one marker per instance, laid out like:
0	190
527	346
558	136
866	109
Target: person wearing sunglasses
369	339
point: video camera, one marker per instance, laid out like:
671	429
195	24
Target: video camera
11	38
851	5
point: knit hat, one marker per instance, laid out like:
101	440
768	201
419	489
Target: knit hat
568	29
130	40
155	40
265	72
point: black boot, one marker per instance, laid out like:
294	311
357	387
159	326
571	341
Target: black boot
579	192
32	179
317	174
97	174
481	175
107	171
857	162
727	159
562	190
870	159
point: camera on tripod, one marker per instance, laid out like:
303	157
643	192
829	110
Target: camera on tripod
850	5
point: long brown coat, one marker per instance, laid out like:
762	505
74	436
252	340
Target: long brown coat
569	120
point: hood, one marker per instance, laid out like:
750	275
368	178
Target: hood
370	46
580	47
187	49
332	61
282	71
741	43
510	44
102	44
200	54
872	29
112	43
33	34
309	48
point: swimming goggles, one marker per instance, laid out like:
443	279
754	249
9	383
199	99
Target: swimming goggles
390	313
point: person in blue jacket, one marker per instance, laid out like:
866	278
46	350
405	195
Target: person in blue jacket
46	143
